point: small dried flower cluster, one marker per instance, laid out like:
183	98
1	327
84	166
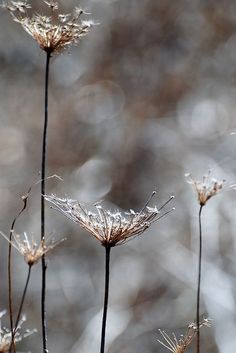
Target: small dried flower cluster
206	188
180	345
110	228
6	335
53	33
30	249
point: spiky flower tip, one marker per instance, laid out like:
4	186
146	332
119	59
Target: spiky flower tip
30	249
180	345
110	228
53	33
6	334
205	189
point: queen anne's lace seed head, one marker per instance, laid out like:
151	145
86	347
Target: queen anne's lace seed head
30	249
180	345
6	335
110	228
53	33
206	188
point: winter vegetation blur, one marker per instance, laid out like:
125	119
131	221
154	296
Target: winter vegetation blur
145	101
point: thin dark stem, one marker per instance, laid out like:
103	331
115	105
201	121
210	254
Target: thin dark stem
20	308
23	298
199	280
10	291
106	294
43	169
24	198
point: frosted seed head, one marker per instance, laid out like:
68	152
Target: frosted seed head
207	188
53	33
110	228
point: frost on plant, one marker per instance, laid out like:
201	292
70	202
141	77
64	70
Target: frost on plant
206	188
110	228
179	345
52	32
6	335
30	249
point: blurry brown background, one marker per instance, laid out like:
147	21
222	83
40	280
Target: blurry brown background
146	97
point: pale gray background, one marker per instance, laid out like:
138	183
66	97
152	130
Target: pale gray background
146	97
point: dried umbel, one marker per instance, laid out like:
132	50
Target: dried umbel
30	249
6	335
180	345
110	228
206	188
53	33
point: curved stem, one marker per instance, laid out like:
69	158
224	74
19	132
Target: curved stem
199	280
25	198
106	294
43	168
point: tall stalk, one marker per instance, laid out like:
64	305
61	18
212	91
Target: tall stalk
43	173
106	295
10	291
199	279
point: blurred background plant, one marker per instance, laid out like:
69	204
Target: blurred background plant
148	96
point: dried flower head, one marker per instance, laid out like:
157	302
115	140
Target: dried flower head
180	345
53	33
110	228
206	188
6	335
30	249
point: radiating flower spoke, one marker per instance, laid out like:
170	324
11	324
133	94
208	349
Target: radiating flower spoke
30	249
110	228
53	33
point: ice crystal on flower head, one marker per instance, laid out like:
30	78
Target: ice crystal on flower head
53	33
30	249
6	335
110	228
16	6
206	188
52	4
180	345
